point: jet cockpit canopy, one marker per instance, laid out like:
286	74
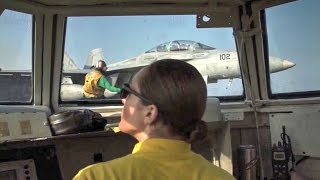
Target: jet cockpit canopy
180	45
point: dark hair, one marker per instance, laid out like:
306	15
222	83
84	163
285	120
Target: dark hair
180	94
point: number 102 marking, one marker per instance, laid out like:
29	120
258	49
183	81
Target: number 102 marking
224	56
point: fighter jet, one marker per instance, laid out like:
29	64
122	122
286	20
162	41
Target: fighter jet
212	63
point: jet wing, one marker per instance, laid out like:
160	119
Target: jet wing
127	65
130	70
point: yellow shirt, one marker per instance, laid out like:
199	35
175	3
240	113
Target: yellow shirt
156	159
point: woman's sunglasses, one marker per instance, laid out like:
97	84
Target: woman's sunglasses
126	90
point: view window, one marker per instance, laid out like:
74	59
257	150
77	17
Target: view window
293	44
15	57
127	43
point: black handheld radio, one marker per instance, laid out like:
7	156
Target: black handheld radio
281	155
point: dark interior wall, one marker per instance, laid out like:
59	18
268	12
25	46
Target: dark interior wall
63	157
75	154
245	133
44	157
70	154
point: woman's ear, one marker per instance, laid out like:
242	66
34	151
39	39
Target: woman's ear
151	113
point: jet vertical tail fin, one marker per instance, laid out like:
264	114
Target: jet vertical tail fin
68	63
94	56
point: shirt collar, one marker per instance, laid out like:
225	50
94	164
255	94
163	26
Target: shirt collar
161	145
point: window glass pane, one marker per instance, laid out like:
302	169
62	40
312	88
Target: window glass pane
128	43
293	39
15	57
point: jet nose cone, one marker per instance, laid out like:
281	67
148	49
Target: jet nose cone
287	64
